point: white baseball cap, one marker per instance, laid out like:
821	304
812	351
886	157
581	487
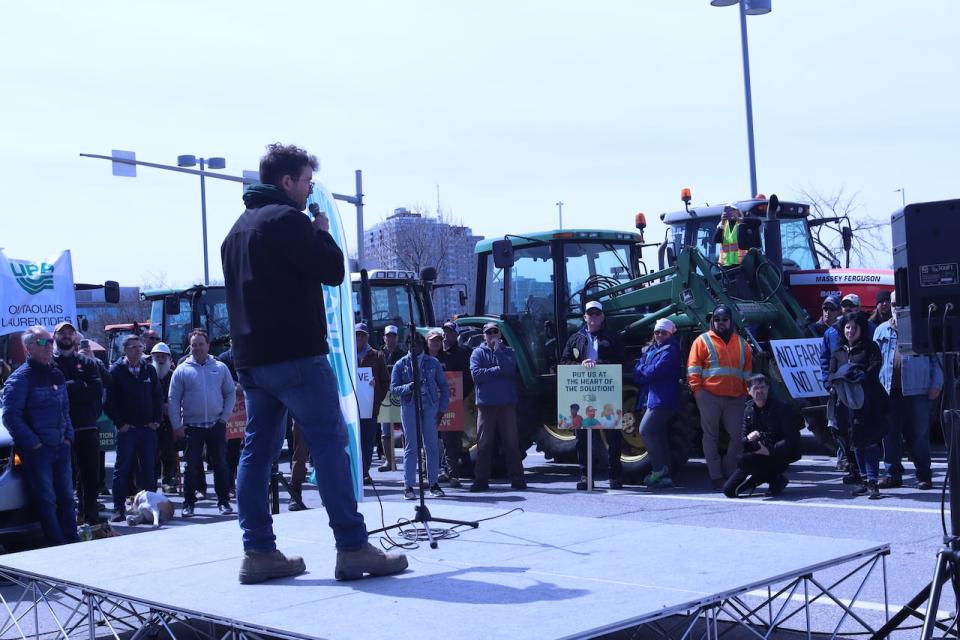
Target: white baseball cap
593	304
390	329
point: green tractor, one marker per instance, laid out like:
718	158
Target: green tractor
175	312
535	288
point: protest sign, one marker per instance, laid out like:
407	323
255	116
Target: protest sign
453	419
589	398
36	293
799	364
365	392
390	409
237	424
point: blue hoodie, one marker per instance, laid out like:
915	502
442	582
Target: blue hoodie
658	374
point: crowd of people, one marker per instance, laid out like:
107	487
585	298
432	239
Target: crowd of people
878	398
274	254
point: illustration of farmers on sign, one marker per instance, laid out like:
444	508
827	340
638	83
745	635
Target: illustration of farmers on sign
589	398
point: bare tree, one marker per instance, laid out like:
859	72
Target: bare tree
416	240
869	233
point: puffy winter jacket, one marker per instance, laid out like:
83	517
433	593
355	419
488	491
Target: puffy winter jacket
35	406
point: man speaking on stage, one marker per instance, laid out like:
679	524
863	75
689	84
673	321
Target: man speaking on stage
274	263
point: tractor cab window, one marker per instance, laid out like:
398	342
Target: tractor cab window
531	282
389	304
795	240
704	242
177	327
493	289
592	266
213	318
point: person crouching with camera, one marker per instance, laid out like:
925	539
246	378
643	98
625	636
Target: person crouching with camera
771	441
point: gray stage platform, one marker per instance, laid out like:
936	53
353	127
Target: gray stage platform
542	576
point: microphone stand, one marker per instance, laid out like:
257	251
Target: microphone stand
421	512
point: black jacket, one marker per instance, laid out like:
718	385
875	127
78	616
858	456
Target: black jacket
609	347
779	425
274	262
134	400
868	424
84	388
458	359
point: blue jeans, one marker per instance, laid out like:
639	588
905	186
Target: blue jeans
868	459
308	389
653	430
909	418
137	443
49	478
216	440
431	444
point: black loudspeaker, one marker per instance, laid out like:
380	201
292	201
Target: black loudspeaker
926	255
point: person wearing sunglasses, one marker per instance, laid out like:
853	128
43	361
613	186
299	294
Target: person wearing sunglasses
717	369
657	375
493	367
830	313
36	412
594	344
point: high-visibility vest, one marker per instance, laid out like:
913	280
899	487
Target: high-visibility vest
722	380
731	255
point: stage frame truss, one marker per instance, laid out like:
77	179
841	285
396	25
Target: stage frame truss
78	611
787	599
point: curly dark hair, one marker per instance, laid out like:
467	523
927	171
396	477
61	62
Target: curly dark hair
285	160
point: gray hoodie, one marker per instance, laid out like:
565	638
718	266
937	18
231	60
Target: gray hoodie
201	394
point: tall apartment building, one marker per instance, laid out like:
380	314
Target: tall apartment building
413	241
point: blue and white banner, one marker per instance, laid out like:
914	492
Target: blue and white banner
341	337
36	292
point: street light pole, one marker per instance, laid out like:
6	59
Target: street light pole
203	222
903	196
560	210
749	100
747	8
213	163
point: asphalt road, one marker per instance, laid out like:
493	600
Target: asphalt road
815	503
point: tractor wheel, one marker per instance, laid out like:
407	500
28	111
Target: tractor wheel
557	445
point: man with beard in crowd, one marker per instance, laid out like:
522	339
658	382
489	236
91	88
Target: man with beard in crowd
162	362
717	368
84	390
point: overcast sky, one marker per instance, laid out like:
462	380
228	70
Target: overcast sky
611	107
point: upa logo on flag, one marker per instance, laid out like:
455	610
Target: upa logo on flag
32	278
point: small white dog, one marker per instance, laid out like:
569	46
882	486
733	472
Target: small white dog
150	507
